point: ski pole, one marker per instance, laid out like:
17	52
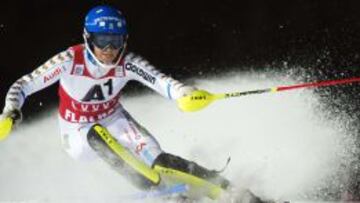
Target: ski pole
200	99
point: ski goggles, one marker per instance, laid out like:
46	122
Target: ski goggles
103	41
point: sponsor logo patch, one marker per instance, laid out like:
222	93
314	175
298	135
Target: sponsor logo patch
79	69
53	74
140	72
140	147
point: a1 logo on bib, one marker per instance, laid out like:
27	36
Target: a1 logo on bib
96	92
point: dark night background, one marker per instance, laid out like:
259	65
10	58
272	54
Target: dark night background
196	38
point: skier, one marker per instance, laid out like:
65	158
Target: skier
92	121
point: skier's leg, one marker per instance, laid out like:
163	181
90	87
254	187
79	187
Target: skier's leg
121	159
147	149
134	137
74	140
81	143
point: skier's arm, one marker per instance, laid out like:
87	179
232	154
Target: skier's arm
42	77
139	69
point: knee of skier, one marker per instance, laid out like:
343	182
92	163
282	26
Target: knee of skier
95	137
112	152
76	148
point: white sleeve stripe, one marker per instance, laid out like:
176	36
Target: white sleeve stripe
33	81
45	66
27	78
56	60
40	70
34	74
180	86
61	56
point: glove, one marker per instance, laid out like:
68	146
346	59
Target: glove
14	114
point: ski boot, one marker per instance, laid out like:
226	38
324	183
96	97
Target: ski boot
201	181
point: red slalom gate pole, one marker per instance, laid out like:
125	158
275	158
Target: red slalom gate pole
319	84
290	87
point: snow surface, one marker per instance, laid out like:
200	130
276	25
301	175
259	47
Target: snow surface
282	146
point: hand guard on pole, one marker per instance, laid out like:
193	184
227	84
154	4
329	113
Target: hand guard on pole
8	120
